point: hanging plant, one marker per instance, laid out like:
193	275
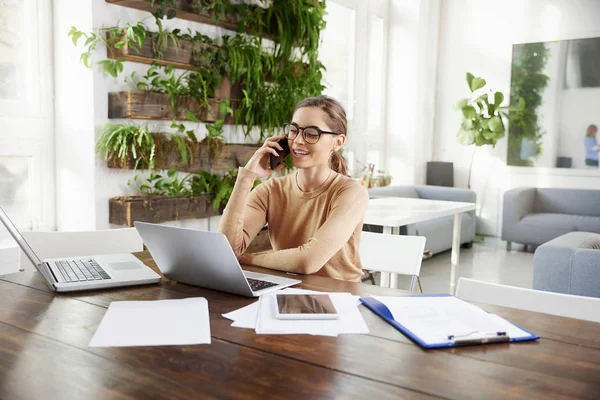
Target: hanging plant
214	139
112	38
117	141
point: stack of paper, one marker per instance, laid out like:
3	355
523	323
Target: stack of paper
261	316
154	323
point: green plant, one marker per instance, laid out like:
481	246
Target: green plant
199	85
113	38
527	84
170	185
225	188
214	139
160	40
219	188
215	8
117	141
170	6
292	24
482	113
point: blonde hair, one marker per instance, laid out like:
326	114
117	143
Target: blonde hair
591	130
336	120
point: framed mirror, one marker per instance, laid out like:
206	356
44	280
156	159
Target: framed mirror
558	84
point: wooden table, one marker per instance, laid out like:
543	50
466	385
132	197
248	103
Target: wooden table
393	212
44	353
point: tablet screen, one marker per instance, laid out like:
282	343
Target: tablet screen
305	304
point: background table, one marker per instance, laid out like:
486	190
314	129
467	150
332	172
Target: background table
393	212
44	353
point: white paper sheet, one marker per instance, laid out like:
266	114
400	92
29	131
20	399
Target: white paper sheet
433	319
154	323
244	317
350	319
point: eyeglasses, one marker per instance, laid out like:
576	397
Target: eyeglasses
311	134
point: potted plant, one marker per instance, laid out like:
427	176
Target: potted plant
482	117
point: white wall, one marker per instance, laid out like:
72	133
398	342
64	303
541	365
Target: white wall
477	36
412	59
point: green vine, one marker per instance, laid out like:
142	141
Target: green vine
527	84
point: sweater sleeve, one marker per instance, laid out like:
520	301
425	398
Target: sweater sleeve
347	211
246	212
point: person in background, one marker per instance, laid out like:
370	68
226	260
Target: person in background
591	146
315	215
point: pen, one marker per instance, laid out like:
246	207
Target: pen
493	339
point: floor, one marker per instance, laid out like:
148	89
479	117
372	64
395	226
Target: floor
487	261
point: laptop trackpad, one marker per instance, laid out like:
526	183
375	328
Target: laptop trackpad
122	266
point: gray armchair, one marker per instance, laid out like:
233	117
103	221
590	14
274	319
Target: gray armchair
533	216
437	231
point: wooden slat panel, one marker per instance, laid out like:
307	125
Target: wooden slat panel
220	369
157	106
185	11
230	156
180	57
156	209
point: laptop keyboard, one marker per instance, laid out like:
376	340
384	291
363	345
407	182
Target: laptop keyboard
257	285
81	270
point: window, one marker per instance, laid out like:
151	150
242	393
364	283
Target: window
337	53
26	120
354	52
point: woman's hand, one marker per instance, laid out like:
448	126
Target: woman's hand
259	163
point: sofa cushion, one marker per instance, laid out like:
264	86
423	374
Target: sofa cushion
439	232
567	201
543	227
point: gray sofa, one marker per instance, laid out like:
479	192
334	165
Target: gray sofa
437	231
533	216
569	264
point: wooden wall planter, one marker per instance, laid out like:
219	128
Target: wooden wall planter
185	11
181	57
151	105
231	156
125	210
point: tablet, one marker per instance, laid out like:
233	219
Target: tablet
305	306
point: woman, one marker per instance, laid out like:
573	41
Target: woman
314	214
591	146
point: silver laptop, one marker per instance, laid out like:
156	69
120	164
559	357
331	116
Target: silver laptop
85	273
204	259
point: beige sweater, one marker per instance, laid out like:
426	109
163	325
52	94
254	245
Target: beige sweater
311	232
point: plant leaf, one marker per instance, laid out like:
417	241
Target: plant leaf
477	83
469	79
498	98
469	112
495	124
466	137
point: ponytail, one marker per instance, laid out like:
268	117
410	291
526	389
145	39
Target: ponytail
338	163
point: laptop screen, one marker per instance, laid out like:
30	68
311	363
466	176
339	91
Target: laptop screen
12	229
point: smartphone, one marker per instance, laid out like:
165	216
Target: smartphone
305	306
276	160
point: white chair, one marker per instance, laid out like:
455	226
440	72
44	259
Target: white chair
394	254
564	305
76	244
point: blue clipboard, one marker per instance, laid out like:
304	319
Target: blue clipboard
381	309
